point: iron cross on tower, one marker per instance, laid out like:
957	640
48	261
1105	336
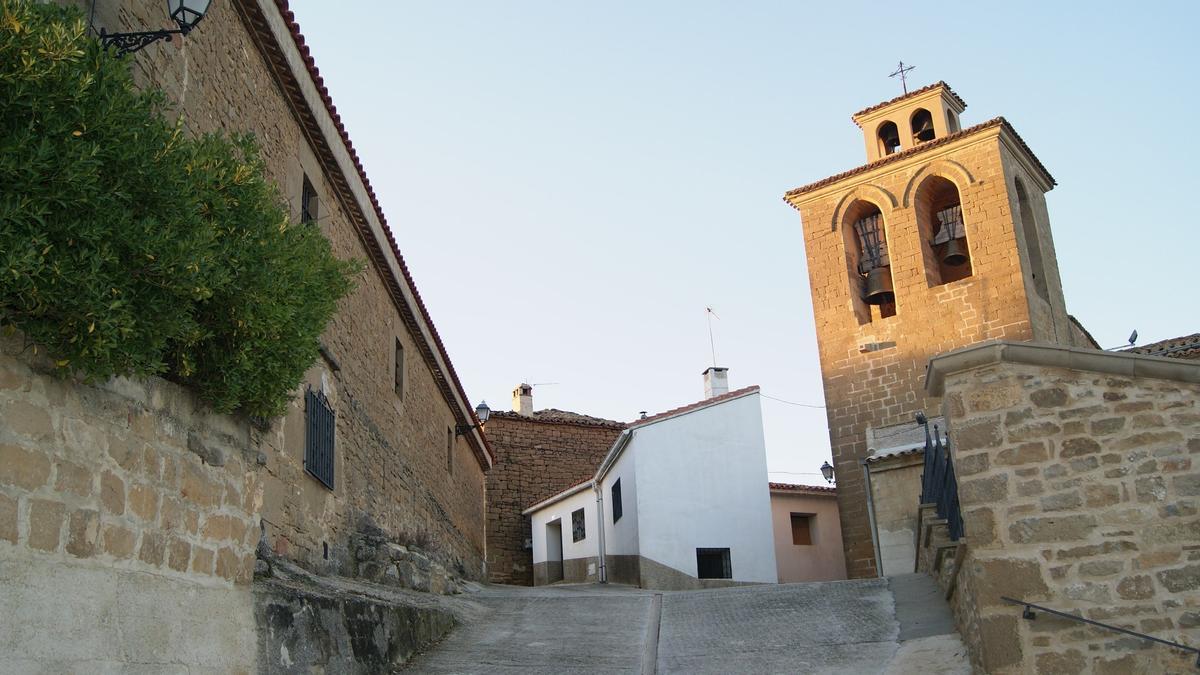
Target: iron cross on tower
902	71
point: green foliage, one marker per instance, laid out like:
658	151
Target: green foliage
129	247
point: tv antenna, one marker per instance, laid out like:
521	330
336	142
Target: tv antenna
712	345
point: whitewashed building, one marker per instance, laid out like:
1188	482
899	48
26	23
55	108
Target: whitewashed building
681	501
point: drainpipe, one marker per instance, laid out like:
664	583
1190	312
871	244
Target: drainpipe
603	573
871	516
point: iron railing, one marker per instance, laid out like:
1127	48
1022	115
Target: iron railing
1028	613
938	484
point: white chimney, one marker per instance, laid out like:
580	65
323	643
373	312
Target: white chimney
716	382
523	400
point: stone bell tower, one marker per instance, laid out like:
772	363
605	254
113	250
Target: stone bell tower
940	240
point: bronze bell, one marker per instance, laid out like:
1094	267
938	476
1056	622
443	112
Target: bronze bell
955	253
890	138
879	287
925	132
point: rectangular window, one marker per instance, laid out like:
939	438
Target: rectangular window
713	563
319	435
308	202
616	500
802	529
578	531
399	369
450	451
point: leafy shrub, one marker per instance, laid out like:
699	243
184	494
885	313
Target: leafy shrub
128	247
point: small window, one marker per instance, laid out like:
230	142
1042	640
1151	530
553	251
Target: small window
713	563
399	369
802	529
308	202
578	530
319	437
449	451
616	500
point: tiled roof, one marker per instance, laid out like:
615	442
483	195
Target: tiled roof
298	39
698	405
1185	347
813	489
1086	333
553	416
915	92
999	121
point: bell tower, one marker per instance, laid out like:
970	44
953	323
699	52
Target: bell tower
939	241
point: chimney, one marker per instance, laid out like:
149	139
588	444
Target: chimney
716	382
523	400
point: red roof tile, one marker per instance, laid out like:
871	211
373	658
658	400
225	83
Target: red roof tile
691	407
554	416
915	92
290	19
1184	347
999	121
814	489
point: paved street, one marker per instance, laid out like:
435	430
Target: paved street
897	625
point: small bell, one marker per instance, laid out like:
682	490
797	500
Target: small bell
955	253
879	287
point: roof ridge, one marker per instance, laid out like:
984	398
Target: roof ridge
798	487
698	405
916	92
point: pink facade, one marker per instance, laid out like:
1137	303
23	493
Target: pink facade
808	536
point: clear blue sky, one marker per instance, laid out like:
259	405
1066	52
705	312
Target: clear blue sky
572	183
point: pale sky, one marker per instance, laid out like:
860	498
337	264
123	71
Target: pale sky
571	184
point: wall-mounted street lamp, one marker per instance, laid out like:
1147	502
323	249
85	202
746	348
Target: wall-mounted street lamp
482	411
827	472
185	13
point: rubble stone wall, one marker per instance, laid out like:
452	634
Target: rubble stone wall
534	461
1079	481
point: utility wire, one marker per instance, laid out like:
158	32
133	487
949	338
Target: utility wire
802	405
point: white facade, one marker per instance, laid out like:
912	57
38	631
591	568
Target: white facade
690	479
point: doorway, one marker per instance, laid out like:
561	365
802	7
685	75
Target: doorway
554	551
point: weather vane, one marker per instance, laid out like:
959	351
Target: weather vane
902	71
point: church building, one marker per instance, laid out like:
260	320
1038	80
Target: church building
941	240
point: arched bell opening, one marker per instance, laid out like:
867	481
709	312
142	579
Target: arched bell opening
945	250
922	125
952	122
1033	242
889	138
867	262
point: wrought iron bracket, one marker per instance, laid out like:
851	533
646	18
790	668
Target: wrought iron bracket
127	43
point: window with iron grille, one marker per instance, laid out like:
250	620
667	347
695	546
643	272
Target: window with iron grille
713	563
320	424
308	202
578	531
616	500
450	451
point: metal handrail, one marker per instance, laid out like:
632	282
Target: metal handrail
1028	613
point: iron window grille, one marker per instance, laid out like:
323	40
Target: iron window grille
399	369
950	225
578	531
713	563
616	500
308	202
319	437
874	248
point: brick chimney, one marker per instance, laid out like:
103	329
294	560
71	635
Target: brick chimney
716	382
523	400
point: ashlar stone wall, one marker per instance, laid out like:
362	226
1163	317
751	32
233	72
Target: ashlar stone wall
1079	481
128	524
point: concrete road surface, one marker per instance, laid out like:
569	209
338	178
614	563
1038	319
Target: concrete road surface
893	626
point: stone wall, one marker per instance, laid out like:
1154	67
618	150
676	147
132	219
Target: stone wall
535	459
1079	481
398	464
128	524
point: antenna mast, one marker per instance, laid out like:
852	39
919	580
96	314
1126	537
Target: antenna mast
712	345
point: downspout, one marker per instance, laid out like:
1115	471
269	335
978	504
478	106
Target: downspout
871	517
603	573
